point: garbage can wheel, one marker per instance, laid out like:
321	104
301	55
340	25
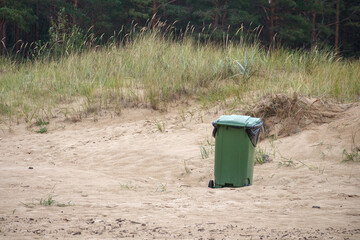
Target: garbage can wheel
211	184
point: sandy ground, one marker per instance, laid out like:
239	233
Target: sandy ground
123	178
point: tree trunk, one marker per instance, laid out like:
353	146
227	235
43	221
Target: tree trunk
216	21
224	15
127	11
313	31
37	24
93	25
271	22
336	45
17	38
76	5
2	38
153	20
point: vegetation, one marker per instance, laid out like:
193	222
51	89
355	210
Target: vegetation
261	157
47	201
187	169
204	152
153	69
128	186
354	154
71	71
160	125
207	149
161	187
41	123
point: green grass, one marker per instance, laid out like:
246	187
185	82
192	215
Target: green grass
260	156
161	187
48	201
207	149
153	70
204	152
42	130
41	123
160	125
354	154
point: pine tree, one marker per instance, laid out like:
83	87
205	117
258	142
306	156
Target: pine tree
104	17
174	11
350	28
14	16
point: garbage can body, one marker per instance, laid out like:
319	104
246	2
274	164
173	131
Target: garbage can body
235	140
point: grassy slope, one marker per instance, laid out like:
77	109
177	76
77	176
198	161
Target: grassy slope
153	71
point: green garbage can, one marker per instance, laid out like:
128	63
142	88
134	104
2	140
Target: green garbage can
236	137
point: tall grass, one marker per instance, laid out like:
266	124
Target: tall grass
154	68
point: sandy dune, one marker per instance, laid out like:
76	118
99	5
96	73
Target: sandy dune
122	178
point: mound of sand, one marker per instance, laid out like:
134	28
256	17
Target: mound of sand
283	115
142	175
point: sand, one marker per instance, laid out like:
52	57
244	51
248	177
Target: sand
122	177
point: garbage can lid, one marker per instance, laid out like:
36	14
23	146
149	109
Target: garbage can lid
237	121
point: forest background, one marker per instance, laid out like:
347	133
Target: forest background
295	24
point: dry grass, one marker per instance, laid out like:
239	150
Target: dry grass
152	70
283	115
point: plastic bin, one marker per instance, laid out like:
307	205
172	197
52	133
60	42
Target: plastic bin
236	137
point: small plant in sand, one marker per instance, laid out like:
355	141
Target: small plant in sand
161	187
286	163
187	170
354	154
204	152
207	149
48	201
182	114
261	157
41	123
128	186
160	125
42	130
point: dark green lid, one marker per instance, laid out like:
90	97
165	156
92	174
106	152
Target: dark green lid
237	121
